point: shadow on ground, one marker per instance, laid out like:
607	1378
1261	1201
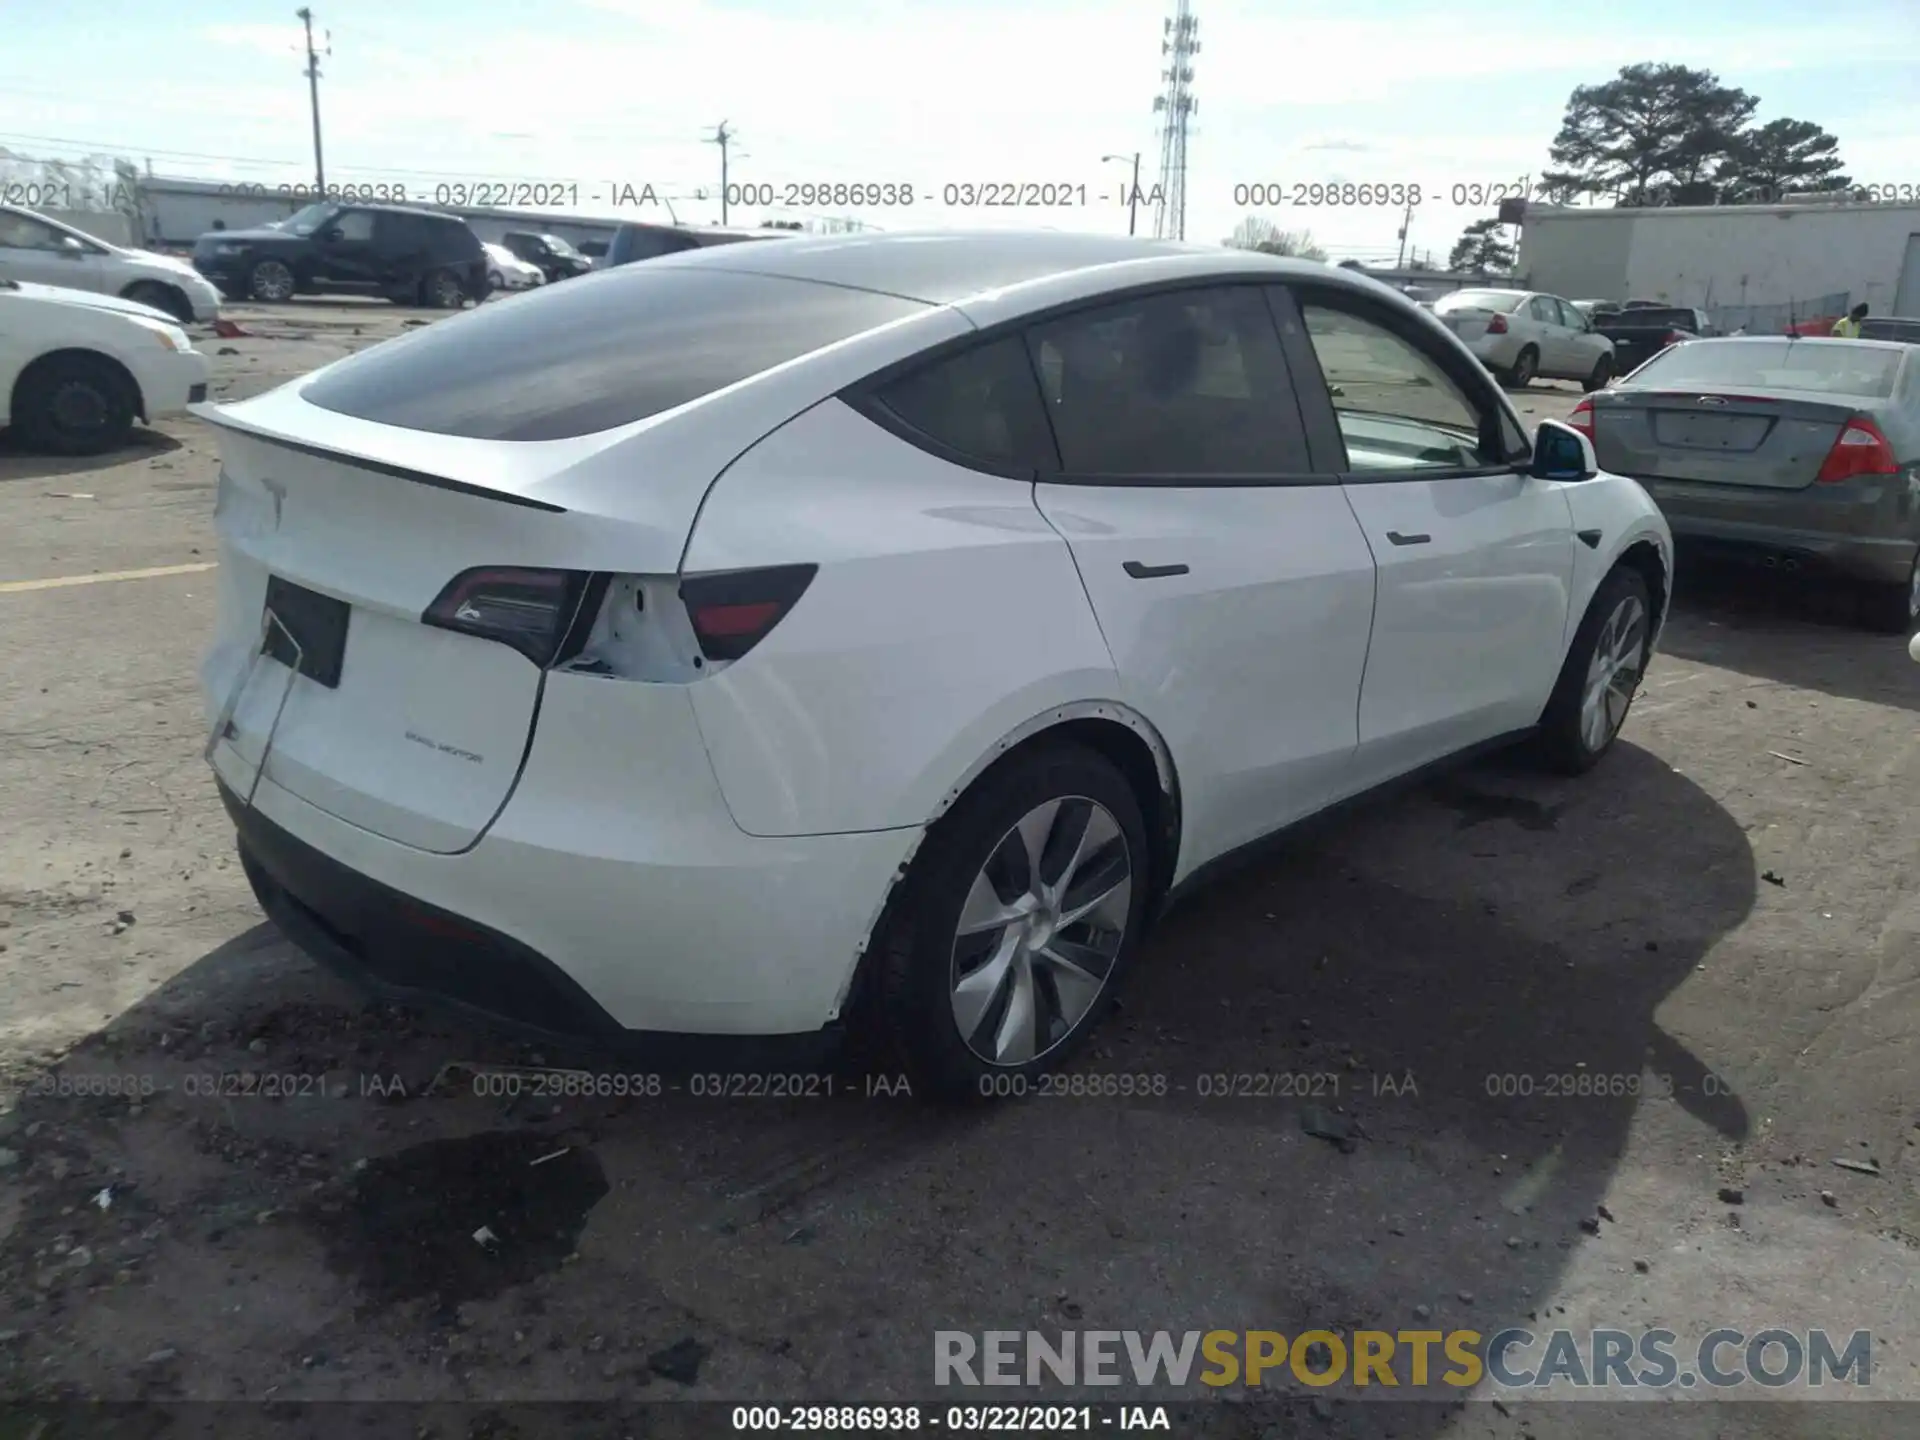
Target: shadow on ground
18	463
1422	984
1790	629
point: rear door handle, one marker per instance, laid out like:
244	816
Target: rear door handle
1397	538
1152	572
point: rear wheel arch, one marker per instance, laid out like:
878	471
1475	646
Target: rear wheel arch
1118	734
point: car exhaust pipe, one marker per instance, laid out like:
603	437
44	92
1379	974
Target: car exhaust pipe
1789	563
1772	562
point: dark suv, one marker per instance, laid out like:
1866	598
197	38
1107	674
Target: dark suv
412	257
549	254
644	242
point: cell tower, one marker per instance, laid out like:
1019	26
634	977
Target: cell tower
1179	42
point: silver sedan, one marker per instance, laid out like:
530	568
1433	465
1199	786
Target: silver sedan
1521	335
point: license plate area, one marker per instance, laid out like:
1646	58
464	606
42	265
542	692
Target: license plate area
311	636
1689	430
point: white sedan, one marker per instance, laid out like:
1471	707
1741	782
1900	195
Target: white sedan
76	368
1521	335
507	271
878	630
37	249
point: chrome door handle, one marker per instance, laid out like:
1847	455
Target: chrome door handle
1152	572
1397	538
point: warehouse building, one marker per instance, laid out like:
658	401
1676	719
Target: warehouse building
1758	266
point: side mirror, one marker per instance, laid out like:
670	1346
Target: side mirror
70	248
1561	452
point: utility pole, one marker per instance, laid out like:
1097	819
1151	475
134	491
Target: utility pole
1406	223
1133	195
313	90
723	137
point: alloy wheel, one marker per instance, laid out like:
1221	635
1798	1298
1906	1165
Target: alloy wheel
1040	930
272	281
1613	674
446	291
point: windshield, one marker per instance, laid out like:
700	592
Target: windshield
1504	302
1835	367
559	246
305	222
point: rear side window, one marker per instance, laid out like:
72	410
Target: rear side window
596	353
1183	384
982	404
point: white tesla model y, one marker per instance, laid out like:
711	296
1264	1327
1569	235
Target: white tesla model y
878	630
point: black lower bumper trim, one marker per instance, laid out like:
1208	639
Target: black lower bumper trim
400	949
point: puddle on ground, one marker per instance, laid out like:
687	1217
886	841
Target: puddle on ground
406	1229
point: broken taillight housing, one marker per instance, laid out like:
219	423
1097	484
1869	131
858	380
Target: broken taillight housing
734	610
536	612
1581	418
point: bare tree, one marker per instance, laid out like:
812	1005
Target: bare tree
1257	233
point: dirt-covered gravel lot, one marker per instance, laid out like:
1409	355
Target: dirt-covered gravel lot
1725	914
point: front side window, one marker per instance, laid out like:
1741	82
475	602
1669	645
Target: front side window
597	353
308	219
1397	406
354	225
23	232
982	403
1186	383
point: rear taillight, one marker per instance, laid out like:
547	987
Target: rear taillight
733	610
1860	450
1497	325
532	611
1581	418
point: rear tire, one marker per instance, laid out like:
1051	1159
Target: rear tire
1074	809
74	405
1526	365
441	291
1601	674
1892	609
1601	376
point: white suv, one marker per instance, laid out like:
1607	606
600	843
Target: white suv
43	251
878	626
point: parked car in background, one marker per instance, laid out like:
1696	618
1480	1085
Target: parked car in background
595	251
77	367
1640	334
507	271
552	256
1797	454
925	599
1521	334
411	257
41	250
647	242
1593	309
1890	327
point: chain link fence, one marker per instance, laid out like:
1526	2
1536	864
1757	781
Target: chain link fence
1779	319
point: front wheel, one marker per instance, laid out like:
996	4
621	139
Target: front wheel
270	282
74	405
1010	933
161	297
1600	676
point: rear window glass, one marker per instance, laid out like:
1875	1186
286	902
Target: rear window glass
596	353
1830	367
983	403
1503	302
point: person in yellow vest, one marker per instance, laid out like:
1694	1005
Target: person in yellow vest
1847	327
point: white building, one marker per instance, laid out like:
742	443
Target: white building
1762	266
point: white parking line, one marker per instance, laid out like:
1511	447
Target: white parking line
9	587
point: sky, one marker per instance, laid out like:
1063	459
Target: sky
607	97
